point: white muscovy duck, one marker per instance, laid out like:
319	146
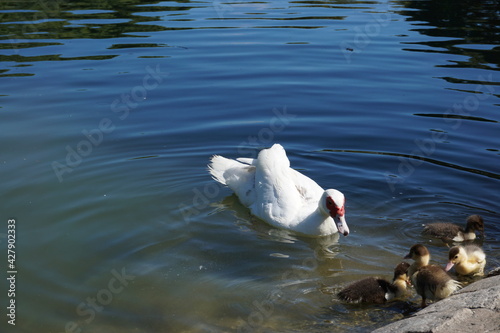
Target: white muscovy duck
281	196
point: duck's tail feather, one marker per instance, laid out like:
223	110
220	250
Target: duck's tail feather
218	165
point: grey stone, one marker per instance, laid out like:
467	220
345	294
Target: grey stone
475	308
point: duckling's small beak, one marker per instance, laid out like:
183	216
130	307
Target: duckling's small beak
408	256
449	266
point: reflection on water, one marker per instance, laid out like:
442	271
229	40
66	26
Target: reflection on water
468	28
393	102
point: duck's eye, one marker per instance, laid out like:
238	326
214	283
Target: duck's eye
456	257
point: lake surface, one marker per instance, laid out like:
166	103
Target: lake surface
110	111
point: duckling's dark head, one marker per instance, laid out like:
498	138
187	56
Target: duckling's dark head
455	256
401	270
475	222
453	253
417	251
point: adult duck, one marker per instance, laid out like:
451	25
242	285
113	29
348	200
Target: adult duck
449	232
376	290
430	281
280	195
468	260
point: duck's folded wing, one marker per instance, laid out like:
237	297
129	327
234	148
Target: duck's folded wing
307	187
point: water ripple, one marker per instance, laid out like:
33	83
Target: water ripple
420	158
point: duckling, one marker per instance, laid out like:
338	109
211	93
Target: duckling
468	260
420	255
376	290
430	281
449	232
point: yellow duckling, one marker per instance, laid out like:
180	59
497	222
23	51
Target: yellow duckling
420	255
430	281
468	260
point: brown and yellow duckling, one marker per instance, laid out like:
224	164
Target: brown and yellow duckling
376	290
449	232
430	281
468	260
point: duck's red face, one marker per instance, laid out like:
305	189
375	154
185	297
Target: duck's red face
333	208
337	213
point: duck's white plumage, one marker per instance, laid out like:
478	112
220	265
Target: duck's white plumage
280	195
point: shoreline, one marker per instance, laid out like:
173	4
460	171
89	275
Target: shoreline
475	308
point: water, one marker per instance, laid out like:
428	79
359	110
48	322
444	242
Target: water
111	110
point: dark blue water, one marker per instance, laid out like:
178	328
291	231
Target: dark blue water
110	111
